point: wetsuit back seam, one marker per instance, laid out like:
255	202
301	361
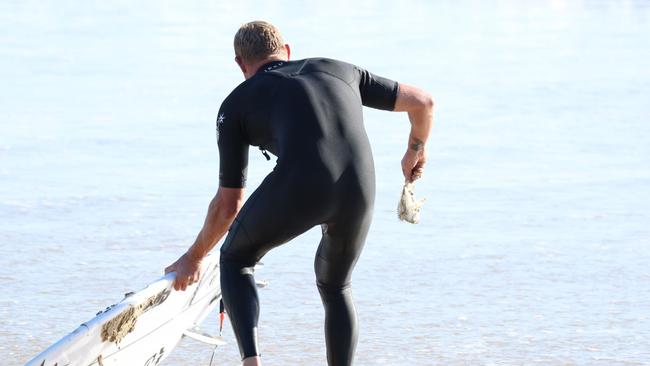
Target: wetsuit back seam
348	83
301	72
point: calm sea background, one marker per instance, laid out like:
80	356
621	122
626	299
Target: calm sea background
534	242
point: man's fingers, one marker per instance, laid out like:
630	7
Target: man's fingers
408	170
181	284
189	282
418	170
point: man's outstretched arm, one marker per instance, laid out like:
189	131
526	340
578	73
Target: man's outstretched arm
222	211
419	105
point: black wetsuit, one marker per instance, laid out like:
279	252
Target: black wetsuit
308	113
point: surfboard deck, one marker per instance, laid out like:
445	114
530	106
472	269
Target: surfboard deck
142	328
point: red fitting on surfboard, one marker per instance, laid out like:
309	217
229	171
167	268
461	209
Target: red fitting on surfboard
222	316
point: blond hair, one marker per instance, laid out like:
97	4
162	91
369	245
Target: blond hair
255	41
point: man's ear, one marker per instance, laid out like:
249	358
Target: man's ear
241	64
288	49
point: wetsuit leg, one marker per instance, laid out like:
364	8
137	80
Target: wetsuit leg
272	216
338	252
281	208
240	298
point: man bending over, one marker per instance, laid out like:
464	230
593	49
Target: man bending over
308	113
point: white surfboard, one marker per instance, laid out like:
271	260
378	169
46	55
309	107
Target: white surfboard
143	328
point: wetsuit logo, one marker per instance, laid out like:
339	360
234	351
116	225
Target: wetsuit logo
220	120
273	67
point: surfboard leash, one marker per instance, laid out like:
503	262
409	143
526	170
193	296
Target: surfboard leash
222	317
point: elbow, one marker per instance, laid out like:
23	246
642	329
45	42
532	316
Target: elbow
423	101
226	209
228	212
412	99
427	101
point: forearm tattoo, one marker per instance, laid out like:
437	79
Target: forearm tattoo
417	144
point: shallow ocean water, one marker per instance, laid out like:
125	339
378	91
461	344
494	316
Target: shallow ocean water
533	246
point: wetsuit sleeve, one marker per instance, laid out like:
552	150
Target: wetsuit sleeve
233	149
376	91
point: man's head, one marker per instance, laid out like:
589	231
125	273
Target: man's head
257	43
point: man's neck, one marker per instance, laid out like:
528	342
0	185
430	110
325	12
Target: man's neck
254	67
